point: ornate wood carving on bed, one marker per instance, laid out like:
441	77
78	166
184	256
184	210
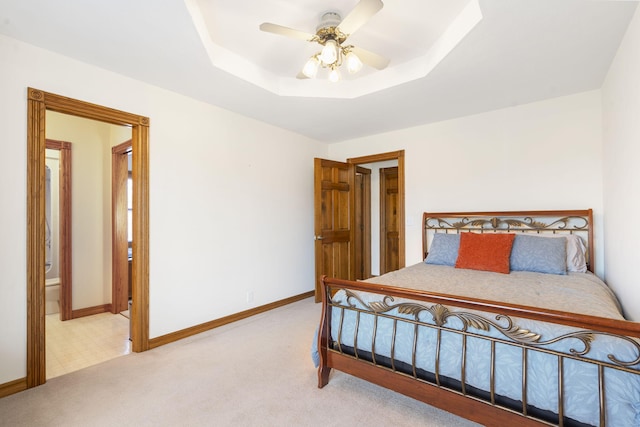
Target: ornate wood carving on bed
602	351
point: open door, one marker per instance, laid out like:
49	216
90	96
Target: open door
362	243
389	224
334	217
120	264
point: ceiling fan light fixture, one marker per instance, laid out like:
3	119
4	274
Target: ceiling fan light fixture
310	69
354	64
334	75
329	53
331	34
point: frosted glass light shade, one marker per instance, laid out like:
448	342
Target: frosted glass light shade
329	53
334	75
354	64
310	69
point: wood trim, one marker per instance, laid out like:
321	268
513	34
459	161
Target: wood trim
66	231
38	102
392	155
140	246
13	387
90	311
203	327
401	211
373	158
52	144
36	111
65	105
362	208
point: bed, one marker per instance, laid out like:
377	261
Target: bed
538	341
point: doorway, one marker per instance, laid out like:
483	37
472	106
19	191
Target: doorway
395	160
389	225
362	244
38	103
58	238
336	228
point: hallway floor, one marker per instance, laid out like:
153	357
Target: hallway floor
78	343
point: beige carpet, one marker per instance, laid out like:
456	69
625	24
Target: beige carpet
256	372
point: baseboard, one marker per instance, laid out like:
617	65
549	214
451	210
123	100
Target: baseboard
90	311
184	333
13	387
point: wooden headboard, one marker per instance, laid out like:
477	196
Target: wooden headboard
579	222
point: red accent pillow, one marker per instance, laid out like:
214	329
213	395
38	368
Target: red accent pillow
487	252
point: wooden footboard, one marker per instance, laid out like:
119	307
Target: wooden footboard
488	325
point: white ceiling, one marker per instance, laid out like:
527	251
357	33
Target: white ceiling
414	43
520	51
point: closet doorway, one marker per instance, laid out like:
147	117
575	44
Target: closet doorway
342	225
379	215
389	224
38	103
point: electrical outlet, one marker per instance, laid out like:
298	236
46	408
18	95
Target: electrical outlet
249	296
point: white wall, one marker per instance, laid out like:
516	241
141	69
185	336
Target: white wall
231	199
621	122
544	155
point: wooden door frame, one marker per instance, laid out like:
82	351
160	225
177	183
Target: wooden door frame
119	227
65	263
38	102
399	156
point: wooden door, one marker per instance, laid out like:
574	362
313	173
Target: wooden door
389	220
334	220
362	208
120	264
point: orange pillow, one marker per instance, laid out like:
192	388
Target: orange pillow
487	252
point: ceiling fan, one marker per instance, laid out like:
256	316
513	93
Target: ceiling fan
331	34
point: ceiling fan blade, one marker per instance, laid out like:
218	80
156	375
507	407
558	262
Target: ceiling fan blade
371	59
359	16
285	31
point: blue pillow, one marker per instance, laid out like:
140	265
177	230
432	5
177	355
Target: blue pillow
444	249
539	254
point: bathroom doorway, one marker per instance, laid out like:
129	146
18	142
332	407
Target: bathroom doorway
85	332
38	104
58	262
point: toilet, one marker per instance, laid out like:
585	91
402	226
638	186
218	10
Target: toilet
52	295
